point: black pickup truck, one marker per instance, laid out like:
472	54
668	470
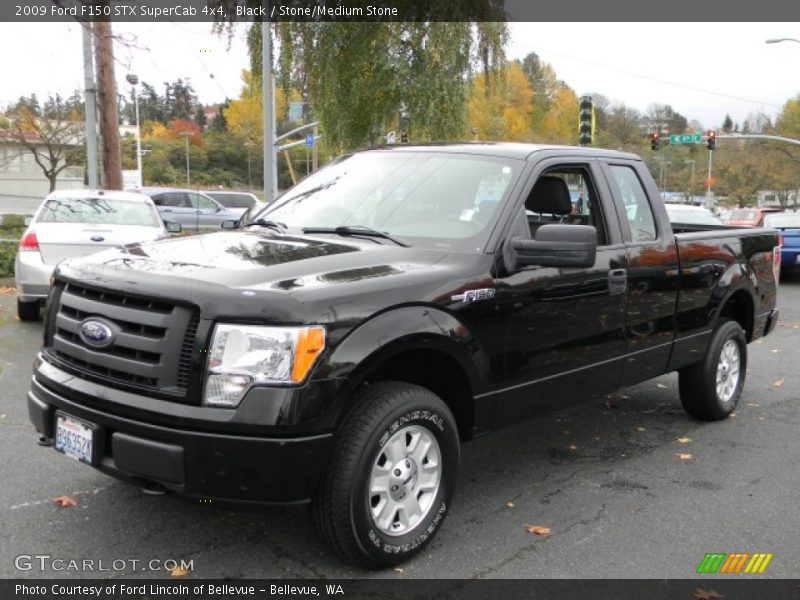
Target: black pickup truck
394	304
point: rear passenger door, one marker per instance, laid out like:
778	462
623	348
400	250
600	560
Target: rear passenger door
563	327
174	206
652	271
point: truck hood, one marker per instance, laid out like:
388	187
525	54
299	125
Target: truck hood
205	269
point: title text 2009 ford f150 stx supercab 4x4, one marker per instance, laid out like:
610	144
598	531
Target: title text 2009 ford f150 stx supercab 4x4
394	304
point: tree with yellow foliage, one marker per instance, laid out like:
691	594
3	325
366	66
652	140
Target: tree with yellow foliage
503	111
245	116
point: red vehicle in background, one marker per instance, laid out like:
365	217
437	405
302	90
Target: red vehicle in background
749	217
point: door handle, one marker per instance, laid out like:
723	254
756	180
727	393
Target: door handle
617	281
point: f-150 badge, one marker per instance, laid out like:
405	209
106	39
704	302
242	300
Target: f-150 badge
473	295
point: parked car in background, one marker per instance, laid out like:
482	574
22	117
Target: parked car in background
237	202
749	217
190	208
687	214
788	224
72	223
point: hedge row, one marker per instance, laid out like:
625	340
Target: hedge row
11	228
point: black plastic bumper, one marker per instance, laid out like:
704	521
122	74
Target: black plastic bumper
241	468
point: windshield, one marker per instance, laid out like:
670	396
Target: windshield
783	220
692	217
106	211
429	199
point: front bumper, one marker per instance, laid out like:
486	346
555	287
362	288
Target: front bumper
202	464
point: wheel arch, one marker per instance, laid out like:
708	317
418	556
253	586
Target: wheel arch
421	345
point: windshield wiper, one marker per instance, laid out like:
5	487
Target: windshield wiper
353	230
280	227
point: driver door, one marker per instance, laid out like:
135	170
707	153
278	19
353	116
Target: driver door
564	328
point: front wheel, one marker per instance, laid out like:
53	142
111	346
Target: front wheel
391	475
711	389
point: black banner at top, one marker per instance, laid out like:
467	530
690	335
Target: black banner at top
231	11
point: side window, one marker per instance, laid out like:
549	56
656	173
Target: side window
174	199
201	202
565	195
637	207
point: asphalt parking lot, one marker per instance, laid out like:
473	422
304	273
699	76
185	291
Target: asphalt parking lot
604	477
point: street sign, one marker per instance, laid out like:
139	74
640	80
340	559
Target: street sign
295	110
710	181
686	138
391	137
309	140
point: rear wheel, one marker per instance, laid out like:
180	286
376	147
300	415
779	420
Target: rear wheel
391	475
711	389
28	311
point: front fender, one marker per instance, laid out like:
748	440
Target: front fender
395	331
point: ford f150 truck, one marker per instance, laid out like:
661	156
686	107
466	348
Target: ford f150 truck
394	304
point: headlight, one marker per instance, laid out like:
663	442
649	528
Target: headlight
242	355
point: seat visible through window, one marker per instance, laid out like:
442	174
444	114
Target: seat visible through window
549	196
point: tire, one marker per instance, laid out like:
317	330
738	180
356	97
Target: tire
400	441
28	311
711	388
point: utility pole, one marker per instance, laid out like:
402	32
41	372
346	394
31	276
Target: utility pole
90	93
270	163
111	160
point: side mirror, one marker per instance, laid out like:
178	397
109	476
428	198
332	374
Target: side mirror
228	224
172	227
557	245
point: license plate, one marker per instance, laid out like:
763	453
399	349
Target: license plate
74	438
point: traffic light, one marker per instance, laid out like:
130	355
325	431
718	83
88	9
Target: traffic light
655	142
586	121
712	140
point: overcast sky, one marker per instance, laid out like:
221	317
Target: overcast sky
703	70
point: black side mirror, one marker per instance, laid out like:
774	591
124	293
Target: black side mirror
228	224
172	227
557	245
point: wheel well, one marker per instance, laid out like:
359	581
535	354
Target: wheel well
437	372
739	308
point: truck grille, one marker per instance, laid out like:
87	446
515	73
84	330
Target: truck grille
152	342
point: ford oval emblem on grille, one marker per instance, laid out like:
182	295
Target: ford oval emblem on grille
96	333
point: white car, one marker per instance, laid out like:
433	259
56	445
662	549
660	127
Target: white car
686	214
72	223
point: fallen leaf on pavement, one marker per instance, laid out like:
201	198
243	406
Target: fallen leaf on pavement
537	529
778	383
399	570
776	350
572	447
683	440
683	456
662	386
754	405
178	572
702	594
510	504
641	429
7	290
64	501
